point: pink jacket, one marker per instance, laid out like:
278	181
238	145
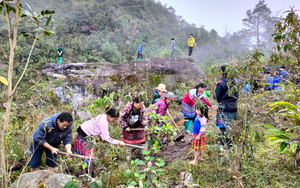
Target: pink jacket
98	126
161	107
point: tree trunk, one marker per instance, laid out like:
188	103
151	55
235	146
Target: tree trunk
12	44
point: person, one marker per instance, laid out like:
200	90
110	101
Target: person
204	107
247	87
161	106
269	80
133	116
60	53
191	43
199	138
276	81
97	126
189	103
227	106
140	51
283	75
159	92
172	47
51	132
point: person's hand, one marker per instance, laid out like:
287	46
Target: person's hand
198	137
54	151
69	153
127	129
101	138
121	143
146	128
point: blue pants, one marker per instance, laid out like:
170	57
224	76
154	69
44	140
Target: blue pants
36	153
172	52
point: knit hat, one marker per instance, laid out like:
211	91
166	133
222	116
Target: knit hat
169	95
161	87
207	93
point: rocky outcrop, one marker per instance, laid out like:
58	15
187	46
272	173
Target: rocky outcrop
78	76
42	178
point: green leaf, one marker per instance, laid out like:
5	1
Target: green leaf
142	176
68	184
133	183
285	48
283	145
93	185
161	163
294	146
49	12
147	182
48	32
222	160
146	152
3	80
136	174
48	20
43	13
128	171
99	183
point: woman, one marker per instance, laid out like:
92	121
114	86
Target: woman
227	106
97	126
133	116
163	104
189	102
159	92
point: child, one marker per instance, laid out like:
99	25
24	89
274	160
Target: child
198	143
189	103
276	80
159	92
51	132
97	126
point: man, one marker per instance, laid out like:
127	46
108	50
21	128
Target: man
283	76
51	132
172	47
60	54
227	106
192	43
140	51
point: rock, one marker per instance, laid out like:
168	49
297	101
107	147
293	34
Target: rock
170	71
42	178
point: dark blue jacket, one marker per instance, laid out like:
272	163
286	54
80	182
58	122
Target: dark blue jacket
228	103
276	80
48	131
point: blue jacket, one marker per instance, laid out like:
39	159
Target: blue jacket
283	74
276	80
48	131
141	48
197	126
226	101
270	82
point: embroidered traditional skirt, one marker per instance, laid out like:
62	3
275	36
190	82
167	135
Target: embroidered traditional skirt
83	147
224	119
188	111
134	136
198	145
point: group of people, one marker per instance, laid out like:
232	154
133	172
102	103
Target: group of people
272	83
134	121
191	44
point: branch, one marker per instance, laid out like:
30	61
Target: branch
36	35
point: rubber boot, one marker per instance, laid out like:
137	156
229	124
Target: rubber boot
141	58
136	59
190	125
186	126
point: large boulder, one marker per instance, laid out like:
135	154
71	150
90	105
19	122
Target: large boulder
42	178
170	71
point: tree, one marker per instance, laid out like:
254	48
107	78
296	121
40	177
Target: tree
11	8
257	21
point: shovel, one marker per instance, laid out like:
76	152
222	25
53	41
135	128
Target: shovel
73	155
135	146
180	137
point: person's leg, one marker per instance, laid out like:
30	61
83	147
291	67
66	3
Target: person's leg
197	155
191	51
201	157
35	157
50	160
128	153
138	56
59	59
141	56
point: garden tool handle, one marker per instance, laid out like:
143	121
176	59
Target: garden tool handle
135	146
173	121
137	129
73	155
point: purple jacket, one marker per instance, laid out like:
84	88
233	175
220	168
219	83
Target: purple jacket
161	107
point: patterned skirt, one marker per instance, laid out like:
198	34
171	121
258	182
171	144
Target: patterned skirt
188	111
132	137
198	145
83	147
224	119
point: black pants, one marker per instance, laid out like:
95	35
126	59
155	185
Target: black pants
140	54
190	51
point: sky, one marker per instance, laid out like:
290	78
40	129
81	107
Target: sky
223	15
